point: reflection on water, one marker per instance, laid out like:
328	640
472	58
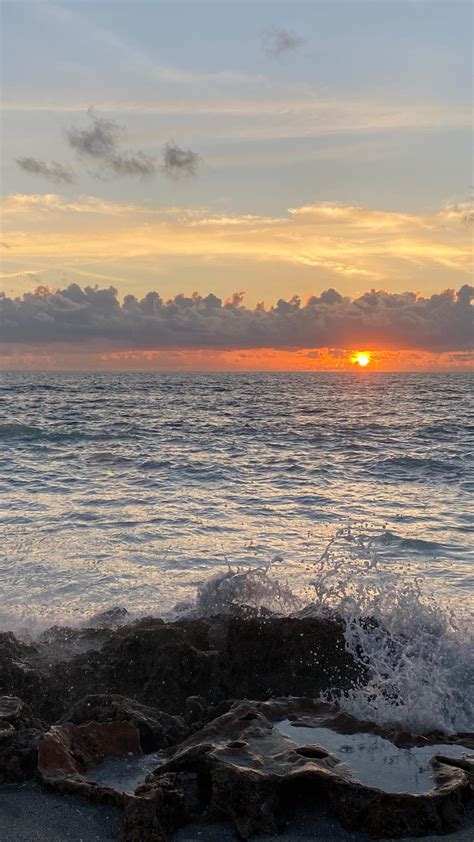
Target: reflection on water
134	488
372	760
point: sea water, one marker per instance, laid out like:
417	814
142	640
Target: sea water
348	491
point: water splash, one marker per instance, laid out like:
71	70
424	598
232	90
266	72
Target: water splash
253	588
418	654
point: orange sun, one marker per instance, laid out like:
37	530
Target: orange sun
361	359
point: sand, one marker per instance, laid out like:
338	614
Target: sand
29	814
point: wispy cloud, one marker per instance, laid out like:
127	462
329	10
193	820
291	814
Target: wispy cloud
55	172
345	240
277	41
178	162
98	139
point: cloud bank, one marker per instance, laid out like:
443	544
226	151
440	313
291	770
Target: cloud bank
377	319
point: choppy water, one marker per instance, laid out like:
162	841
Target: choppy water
134	488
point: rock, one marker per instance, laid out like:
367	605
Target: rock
20	733
18	676
67	751
163	664
112	618
253	775
156	810
157	729
314	659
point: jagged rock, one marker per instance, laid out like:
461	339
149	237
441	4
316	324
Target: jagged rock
20	733
157	729
18	676
163	664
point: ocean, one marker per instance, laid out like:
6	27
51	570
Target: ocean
134	488
349	491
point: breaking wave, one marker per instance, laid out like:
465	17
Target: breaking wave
416	653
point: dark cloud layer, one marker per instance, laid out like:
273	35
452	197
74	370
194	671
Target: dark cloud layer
443	322
276	42
58	173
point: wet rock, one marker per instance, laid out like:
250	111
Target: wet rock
18	676
156	810
256	775
66	752
163	664
112	618
314	657
20	733
157	729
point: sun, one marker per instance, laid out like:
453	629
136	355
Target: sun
361	359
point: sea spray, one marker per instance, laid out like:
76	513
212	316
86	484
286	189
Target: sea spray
417	653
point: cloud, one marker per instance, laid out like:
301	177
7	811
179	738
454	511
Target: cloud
376	319
99	140
276	42
359	244
179	162
53	171
134	163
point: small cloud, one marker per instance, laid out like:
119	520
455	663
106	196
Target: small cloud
134	163
276	42
99	140
179	162
58	173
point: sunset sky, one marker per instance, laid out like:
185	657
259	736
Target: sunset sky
258	154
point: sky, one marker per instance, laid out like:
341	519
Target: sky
183	182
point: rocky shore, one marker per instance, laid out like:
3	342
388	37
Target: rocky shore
178	725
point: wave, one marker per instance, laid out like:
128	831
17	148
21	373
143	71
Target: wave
417	653
415	468
13	430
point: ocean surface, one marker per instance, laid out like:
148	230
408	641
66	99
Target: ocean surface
169	494
133	488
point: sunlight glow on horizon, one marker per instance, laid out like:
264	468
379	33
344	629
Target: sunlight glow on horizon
361	359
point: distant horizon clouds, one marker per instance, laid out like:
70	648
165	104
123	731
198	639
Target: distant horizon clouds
439	323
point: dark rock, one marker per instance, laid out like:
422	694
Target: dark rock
20	733
18	676
163	664
314	658
156	810
157	729
112	618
